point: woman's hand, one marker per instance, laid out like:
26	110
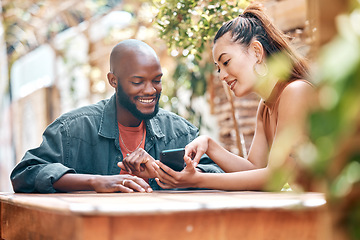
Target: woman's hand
196	149
168	178
139	163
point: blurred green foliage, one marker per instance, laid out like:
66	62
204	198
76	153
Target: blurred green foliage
336	125
333	156
191	24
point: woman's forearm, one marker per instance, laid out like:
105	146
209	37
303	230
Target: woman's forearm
245	180
226	160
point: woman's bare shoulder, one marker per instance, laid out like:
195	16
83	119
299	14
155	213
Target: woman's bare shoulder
298	94
299	89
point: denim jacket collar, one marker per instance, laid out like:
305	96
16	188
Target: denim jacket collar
108	124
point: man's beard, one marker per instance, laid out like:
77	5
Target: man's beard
124	100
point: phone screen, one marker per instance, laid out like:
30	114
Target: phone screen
173	158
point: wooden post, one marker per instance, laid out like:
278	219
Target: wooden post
322	15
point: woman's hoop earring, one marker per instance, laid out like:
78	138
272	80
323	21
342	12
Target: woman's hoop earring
263	71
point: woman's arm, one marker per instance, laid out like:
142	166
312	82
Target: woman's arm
230	162
226	160
245	180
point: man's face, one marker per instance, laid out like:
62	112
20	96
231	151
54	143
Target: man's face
139	85
125	101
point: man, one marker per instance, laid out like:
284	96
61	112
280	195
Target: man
81	149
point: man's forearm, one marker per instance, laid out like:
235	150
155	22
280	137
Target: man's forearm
74	182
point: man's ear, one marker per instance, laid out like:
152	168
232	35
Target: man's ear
257	49
112	79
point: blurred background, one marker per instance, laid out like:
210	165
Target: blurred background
54	57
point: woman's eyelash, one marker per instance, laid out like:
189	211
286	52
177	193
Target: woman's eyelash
225	64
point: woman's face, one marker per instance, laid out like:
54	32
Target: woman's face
235	65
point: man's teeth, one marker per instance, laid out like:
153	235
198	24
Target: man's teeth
146	100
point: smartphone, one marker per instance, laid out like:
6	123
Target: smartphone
173	158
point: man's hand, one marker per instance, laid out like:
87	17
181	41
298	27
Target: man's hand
139	163
119	183
100	183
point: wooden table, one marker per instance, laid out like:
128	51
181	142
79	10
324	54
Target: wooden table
164	215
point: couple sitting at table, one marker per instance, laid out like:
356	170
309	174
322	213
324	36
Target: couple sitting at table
86	148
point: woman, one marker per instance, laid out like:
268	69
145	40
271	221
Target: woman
242	52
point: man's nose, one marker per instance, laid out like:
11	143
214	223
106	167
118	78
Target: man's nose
149	89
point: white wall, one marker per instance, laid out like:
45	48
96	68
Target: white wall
7	158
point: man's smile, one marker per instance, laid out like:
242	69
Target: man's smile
146	100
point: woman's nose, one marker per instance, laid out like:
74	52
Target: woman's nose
223	75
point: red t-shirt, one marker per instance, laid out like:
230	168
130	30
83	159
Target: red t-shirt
133	137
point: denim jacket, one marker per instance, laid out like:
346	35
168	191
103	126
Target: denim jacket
86	140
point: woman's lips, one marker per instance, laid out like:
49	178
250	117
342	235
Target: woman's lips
231	84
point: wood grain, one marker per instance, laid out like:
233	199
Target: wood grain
164	215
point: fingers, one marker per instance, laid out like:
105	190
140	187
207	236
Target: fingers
121	165
163	169
113	187
137	184
150	168
136	161
189	162
128	184
197	157
129	162
194	152
119	183
125	164
164	173
123	188
141	182
162	185
189	152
